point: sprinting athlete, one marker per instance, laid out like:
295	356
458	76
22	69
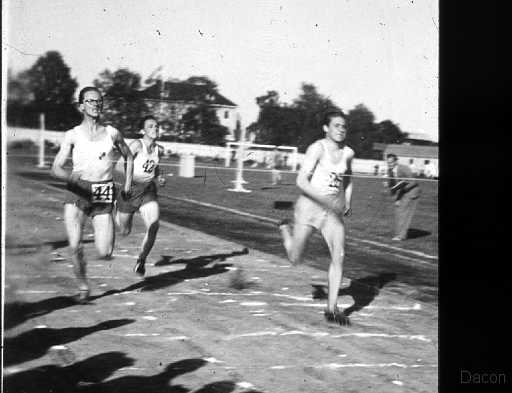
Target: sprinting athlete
143	197
90	183
325	182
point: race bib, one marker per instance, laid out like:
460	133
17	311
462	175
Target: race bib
102	192
335	180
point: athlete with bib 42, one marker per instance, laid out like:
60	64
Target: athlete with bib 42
90	182
143	198
326	185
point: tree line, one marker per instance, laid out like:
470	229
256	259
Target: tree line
48	87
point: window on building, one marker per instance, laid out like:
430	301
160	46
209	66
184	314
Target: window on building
226	114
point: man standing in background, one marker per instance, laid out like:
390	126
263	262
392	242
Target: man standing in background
405	191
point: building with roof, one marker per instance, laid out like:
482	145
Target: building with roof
423	160
169	101
419	138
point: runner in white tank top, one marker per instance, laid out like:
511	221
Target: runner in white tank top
144	193
145	162
90	185
324	179
94	159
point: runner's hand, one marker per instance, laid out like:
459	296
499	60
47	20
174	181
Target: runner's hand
348	211
127	189
74	177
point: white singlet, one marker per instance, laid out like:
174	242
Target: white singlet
145	163
328	177
94	159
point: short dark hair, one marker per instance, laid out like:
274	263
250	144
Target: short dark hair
146	118
85	90
393	156
332	113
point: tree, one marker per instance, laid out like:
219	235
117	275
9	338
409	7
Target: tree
269	99
277	125
389	132
50	81
52	90
298	124
311	106
123	108
361	131
203	125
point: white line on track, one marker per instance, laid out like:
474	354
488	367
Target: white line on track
415	307
411	337
334	366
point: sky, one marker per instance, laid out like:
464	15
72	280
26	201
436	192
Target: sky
381	53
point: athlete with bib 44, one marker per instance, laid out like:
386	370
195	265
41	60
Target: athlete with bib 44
90	182
326	185
143	198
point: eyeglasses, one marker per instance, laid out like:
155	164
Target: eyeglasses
91	102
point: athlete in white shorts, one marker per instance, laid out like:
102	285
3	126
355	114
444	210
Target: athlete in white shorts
90	182
143	198
324	179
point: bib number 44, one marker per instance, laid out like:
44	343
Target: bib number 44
102	193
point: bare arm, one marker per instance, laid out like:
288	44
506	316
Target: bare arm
159	174
348	185
60	159
128	157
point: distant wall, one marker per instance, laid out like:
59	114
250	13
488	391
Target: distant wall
16	134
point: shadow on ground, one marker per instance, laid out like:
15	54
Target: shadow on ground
18	312
88	376
195	268
35	343
363	290
52	245
414	233
199	261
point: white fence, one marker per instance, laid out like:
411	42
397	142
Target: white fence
55	137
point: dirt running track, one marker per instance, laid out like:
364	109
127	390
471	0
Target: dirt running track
185	328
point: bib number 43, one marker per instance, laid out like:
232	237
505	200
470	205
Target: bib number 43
102	193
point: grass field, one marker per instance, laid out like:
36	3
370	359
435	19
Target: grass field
372	205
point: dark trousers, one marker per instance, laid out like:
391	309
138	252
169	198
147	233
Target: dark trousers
403	215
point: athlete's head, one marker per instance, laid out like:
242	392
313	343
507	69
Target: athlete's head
392	160
334	125
149	126
90	101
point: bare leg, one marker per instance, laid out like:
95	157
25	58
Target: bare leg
124	222
103	225
74	219
150	213
294	243
334	235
